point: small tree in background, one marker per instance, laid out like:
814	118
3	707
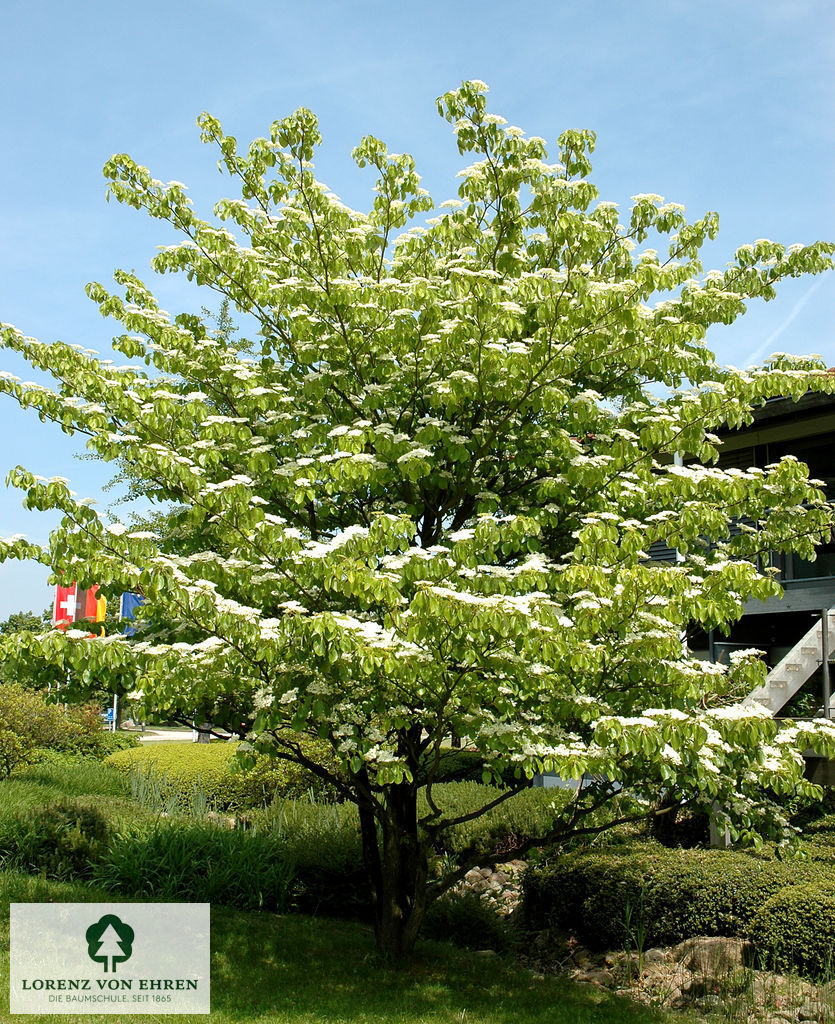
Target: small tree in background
37	675
416	506
28	622
27	723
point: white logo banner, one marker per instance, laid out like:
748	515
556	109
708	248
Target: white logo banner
109	958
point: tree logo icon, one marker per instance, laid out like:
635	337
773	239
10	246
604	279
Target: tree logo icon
109	940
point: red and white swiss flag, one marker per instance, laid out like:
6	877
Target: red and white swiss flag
74	605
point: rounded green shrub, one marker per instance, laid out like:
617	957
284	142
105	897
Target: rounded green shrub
84	735
187	774
467	920
27	722
63	840
793	932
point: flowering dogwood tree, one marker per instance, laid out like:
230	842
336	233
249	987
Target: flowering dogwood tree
416	508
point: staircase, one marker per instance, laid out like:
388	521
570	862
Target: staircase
787	677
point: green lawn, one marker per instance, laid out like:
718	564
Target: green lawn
300	970
294	969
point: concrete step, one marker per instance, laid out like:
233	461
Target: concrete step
799	664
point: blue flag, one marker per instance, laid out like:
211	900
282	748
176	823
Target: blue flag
128	604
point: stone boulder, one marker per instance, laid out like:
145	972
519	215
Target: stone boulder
712	956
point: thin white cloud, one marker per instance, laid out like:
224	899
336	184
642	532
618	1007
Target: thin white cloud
758	353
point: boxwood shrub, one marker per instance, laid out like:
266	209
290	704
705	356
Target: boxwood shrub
210	771
467	920
670	895
794	931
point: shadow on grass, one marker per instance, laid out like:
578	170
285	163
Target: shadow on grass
320	969
269	969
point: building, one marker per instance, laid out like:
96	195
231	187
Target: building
788	629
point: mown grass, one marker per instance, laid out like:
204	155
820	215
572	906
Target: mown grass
295	969
301	970
58	777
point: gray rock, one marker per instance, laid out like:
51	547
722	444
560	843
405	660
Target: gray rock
811	1011
697	987
712	956
677	1000
599	977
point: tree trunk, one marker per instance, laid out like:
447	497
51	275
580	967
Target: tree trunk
398	868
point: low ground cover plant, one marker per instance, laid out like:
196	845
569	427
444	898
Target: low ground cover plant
133	852
302	855
467	920
56	775
296	969
65	840
305	855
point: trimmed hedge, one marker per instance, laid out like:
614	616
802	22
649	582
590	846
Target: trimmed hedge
525	815
463	765
671	895
187	773
794	931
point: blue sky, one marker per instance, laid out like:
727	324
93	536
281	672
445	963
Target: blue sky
720	105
